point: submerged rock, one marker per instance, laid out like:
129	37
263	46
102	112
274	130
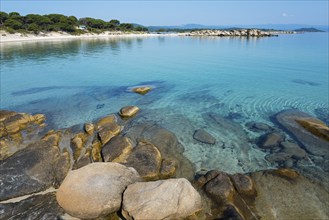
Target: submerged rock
293	150
315	126
204	137
95	190
258	127
35	207
309	141
270	140
128	111
162	199
142	90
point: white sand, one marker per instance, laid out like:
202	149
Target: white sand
18	37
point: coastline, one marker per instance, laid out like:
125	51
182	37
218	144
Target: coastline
6	37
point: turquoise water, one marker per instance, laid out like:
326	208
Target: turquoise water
76	81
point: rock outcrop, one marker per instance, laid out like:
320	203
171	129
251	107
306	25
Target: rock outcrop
162	199
142	90
223	33
95	190
117	150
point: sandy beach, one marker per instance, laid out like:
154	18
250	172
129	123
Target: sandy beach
6	37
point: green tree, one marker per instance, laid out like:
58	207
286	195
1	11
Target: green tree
115	22
14	24
126	26
3	17
34	28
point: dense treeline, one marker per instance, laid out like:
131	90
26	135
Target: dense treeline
36	23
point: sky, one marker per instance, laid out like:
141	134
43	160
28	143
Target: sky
181	12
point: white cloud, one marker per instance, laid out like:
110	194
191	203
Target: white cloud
284	14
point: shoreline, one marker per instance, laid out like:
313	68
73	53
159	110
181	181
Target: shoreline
5	37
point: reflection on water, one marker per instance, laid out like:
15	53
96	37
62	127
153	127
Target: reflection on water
63	48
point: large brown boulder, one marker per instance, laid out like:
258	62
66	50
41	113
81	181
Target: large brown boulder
162	199
128	111
95	190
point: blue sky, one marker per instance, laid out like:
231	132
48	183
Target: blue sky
182	12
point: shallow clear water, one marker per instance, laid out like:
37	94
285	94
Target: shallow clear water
242	79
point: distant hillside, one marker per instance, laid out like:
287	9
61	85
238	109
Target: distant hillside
308	30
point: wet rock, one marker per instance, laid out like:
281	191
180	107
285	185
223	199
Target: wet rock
84	160
243	184
96	151
109	119
285	173
307	140
146	159
117	149
168	168
203	179
270	140
89	128
258	127
293	150
162	199
95	190
279	197
315	126
231	213
35	207
204	137
33	169
167	144
128	111
108	131
142	90
77	144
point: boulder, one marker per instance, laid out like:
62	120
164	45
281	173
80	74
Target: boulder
243	184
128	111
109	119
89	128
162	199
220	188
95	190
168	168
204	137
142	90
270	140
35	207
108	131
117	149
77	144
83	160
313	144
146	159
277	157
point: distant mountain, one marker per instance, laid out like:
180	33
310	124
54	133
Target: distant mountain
259	26
308	30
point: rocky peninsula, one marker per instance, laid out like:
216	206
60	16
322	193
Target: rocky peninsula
238	33
120	168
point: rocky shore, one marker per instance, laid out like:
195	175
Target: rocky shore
120	168
238	33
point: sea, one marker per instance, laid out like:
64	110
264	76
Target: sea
194	79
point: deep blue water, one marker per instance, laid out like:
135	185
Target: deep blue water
76	81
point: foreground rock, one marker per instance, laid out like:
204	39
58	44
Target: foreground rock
95	190
299	127
163	199
33	169
283	194
204	137
117	150
128	111
34	207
